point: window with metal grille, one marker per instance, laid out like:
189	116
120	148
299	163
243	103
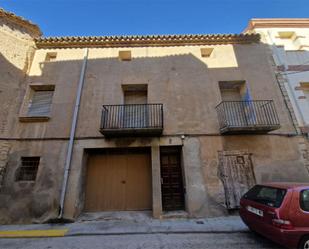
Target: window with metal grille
40	103
28	169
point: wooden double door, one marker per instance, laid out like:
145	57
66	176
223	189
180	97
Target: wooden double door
172	187
237	175
118	181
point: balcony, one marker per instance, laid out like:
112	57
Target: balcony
132	120
241	117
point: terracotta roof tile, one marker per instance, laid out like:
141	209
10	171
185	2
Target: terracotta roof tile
20	20
144	40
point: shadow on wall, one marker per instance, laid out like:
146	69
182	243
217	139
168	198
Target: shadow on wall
178	81
11	90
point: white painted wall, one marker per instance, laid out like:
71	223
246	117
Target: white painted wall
287	52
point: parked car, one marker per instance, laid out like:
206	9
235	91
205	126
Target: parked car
279	212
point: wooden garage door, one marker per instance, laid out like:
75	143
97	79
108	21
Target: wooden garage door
118	181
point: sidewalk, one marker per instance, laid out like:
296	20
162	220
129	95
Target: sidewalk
109	223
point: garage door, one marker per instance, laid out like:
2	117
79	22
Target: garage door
118	180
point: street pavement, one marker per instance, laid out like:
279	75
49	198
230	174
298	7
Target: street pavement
244	240
116	223
130	230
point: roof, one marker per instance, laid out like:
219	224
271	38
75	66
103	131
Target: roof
21	21
277	23
285	185
145	40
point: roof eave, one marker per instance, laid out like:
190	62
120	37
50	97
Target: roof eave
145	41
31	27
277	23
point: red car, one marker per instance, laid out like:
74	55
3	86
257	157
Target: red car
279	212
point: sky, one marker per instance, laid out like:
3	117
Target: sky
142	17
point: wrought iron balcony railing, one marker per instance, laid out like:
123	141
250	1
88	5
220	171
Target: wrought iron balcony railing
132	119
257	116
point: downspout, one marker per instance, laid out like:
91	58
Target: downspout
72	135
290	89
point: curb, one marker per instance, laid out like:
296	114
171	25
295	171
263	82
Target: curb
33	233
158	232
65	233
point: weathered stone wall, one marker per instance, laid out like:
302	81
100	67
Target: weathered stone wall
205	195
186	83
304	150
24	202
16	52
4	153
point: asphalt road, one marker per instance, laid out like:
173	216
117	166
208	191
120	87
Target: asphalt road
151	241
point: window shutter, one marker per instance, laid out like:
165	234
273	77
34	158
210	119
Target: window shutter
41	103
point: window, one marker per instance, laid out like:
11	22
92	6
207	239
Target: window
51	56
125	55
40	103
304	200
206	52
28	169
269	196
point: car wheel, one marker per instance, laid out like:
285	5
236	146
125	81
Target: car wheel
304	244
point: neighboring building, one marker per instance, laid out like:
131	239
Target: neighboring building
163	123
288	39
16	52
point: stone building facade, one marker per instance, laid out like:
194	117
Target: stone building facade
163	123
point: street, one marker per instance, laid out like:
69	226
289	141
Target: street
143	241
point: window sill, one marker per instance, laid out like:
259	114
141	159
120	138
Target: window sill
34	119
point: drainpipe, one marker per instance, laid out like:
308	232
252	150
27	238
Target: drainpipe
72	135
290	89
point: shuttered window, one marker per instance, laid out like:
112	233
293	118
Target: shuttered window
40	104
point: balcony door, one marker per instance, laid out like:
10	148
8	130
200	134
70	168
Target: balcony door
135	108
237	109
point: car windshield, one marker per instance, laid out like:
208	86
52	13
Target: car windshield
269	196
